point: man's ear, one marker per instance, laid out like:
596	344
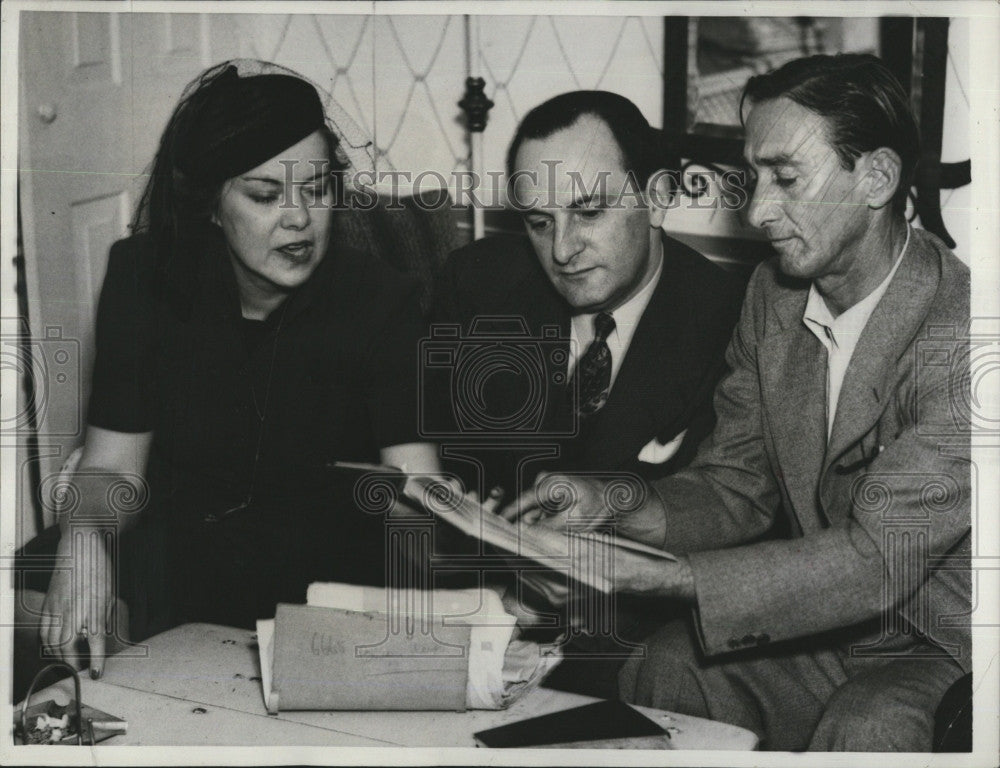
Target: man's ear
885	171
659	192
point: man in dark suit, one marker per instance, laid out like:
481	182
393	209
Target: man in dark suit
627	328
586	173
842	416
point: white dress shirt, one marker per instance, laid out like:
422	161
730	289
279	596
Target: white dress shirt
626	317
840	334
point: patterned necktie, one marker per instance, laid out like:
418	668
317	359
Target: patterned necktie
594	368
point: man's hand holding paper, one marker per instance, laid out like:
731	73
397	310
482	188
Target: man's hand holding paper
589	502
558	499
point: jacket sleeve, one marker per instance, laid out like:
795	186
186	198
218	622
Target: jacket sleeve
911	504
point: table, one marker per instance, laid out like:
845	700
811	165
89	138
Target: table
198	684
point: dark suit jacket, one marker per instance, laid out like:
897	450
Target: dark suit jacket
871	511
663	386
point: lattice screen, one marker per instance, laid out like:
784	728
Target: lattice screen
402	76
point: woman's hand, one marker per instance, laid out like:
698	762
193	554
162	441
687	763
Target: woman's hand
80	600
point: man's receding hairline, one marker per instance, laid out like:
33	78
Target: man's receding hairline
576	121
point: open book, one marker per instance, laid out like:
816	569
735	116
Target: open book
587	555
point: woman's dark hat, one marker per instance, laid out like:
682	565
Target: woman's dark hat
234	124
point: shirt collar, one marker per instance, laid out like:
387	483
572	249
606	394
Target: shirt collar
627	315
851	321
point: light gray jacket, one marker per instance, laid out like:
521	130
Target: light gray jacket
872	513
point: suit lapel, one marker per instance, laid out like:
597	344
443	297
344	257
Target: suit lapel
792	365
871	372
656	390
641	392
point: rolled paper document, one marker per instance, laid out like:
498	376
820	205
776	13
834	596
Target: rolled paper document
500	669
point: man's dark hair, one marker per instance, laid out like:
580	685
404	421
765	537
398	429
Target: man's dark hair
862	102
638	143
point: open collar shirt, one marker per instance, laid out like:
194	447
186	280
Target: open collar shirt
840	334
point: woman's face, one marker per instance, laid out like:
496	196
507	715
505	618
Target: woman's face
276	219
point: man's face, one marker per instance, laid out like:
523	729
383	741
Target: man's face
592	242
813	211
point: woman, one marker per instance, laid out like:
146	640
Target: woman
240	354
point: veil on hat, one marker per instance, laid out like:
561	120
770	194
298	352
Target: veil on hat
171	209
355	147
157	205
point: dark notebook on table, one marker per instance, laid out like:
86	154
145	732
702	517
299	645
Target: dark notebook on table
602	721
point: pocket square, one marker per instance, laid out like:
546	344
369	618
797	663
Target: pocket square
655	452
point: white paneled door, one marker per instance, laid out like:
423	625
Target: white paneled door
95	92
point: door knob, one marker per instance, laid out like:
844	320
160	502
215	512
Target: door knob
47	113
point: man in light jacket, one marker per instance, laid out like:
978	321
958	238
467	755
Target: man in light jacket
839	420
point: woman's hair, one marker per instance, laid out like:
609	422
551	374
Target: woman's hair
863	103
224	124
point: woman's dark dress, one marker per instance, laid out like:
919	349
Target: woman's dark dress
250	412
